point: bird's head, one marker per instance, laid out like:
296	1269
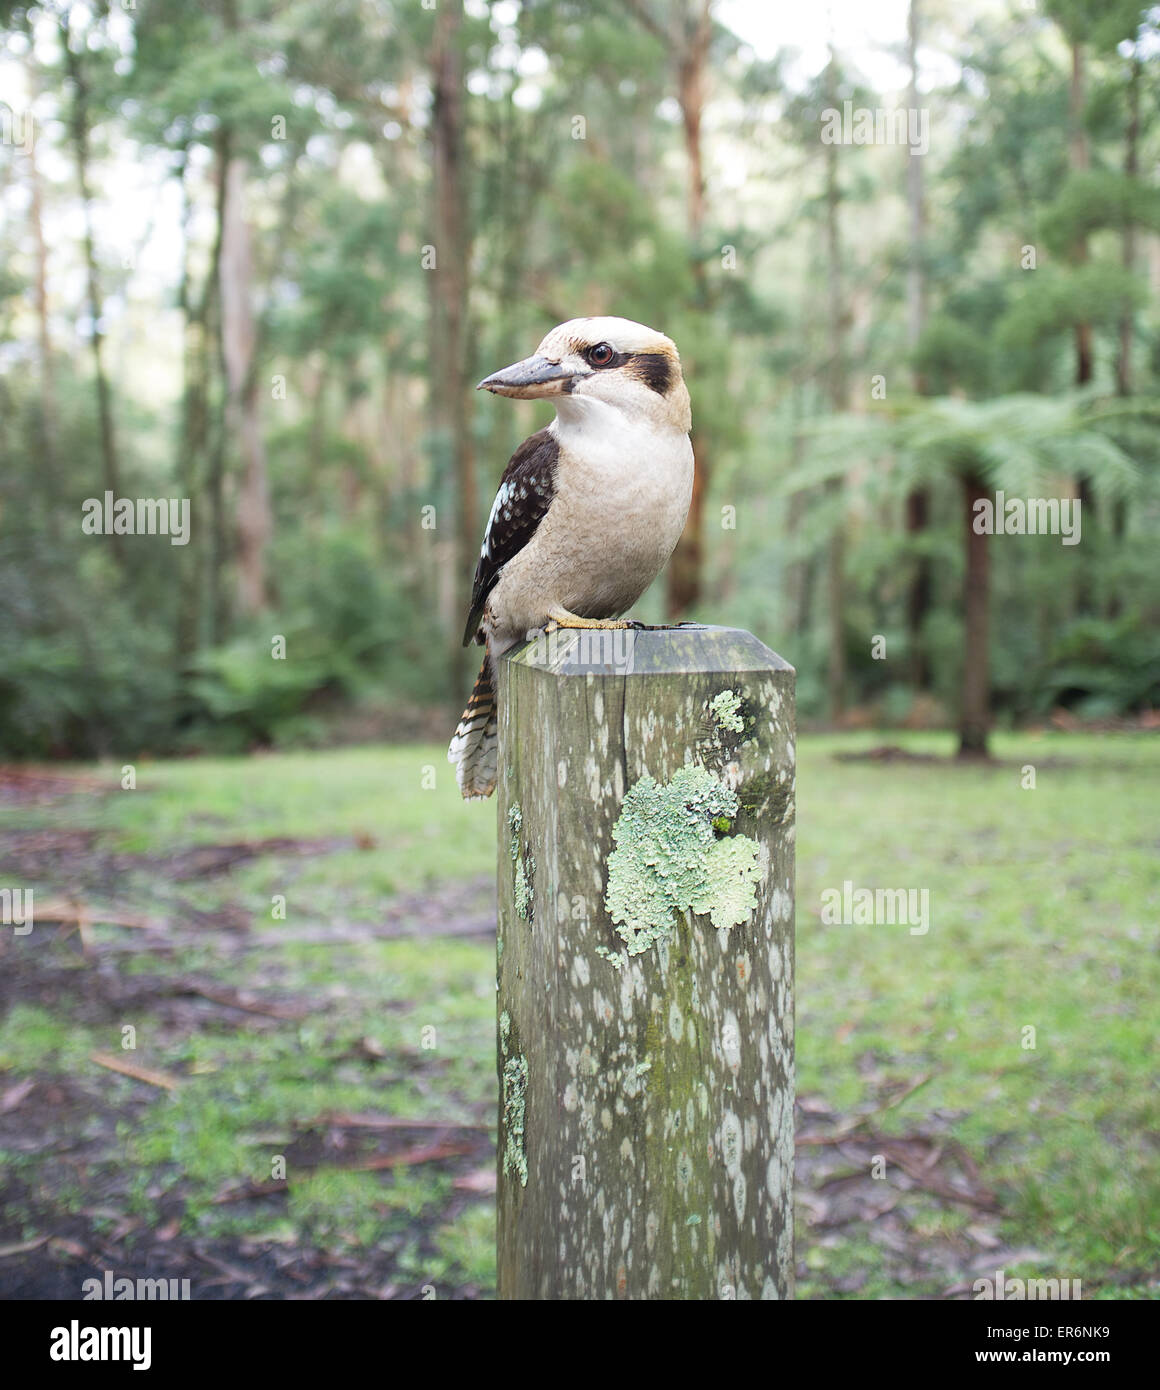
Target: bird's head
608	362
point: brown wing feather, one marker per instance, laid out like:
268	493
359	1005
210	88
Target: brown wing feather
525	493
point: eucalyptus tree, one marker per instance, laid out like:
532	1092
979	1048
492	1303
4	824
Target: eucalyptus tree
85	55
206	87
1023	445
1087	25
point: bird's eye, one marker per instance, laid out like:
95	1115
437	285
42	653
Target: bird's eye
600	355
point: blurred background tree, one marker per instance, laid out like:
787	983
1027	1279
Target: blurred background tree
257	255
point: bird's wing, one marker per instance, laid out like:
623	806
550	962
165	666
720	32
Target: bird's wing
525	494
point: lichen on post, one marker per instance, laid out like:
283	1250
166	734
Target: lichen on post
645	967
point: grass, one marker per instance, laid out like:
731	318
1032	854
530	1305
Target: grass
1029	1004
1031	999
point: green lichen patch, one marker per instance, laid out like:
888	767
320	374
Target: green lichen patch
515	1092
505	1028
524	871
727	722
522	887
612	957
669	859
725	711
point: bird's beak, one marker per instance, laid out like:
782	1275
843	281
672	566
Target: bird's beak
534	376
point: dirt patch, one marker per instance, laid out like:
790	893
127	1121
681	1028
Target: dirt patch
70	1207
87	1226
24	785
890	753
918	1201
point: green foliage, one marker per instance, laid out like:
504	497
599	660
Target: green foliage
604	226
1027	446
1098	667
1055	301
1104	23
950	354
152	648
1093	199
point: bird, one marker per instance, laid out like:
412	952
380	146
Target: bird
588	510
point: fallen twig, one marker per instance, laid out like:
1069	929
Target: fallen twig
22	1248
59	910
431	1154
270	1188
850	1127
341	1120
151	1078
232	1000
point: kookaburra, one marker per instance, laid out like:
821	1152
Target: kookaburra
588	510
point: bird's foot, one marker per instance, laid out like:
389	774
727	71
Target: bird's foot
560	617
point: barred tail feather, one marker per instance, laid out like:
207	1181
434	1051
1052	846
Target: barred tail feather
475	748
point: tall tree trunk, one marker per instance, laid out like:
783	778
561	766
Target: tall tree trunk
839	401
1128	242
1127	322
798	575
79	134
685	578
48	422
317	447
195	615
450	417
918	599
687	38
916	286
1079	160
239	343
974	715
684	582
835	603
216	599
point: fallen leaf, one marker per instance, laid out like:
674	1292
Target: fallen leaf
6	1250
14	1095
151	1078
481	1180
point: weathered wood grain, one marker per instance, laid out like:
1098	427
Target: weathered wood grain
646	1100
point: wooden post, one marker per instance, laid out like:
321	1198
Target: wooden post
645	967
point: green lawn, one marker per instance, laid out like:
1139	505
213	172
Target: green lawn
1043	904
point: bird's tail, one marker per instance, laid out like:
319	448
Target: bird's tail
475	748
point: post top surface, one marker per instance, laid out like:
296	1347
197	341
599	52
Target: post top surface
664	651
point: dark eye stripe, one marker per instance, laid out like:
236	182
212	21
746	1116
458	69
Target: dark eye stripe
654	369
